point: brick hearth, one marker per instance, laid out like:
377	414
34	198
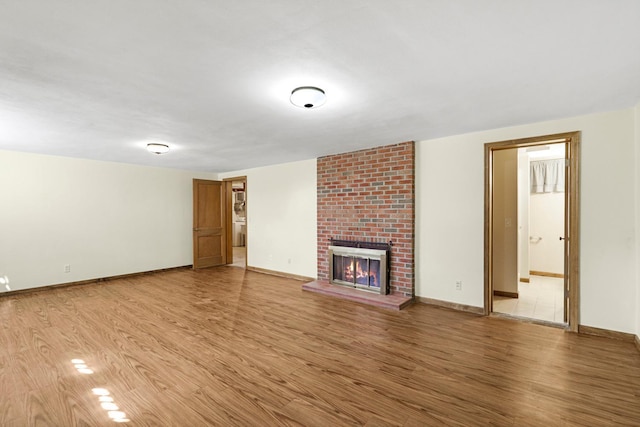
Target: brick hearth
369	195
390	302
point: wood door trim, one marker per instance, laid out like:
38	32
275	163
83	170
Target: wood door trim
228	208
573	186
572	139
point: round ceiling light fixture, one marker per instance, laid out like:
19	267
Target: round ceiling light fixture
157	148
308	97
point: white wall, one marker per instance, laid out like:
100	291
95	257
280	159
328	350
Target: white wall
282	217
546	216
101	218
106	219
450	211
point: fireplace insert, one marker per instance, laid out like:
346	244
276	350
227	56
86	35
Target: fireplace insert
360	267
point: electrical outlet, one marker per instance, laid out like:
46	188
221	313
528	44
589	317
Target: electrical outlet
289	261
458	285
67	268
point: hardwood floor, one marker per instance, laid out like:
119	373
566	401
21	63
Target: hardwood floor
226	346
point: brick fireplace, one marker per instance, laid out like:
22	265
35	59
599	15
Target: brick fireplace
368	195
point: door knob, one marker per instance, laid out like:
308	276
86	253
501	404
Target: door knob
561	238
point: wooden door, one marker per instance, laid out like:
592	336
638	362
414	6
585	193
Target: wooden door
505	223
209	223
571	233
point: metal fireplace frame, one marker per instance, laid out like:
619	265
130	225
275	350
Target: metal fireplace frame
361	249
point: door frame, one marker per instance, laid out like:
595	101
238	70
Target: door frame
572	217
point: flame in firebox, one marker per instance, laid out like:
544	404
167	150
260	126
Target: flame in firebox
358	270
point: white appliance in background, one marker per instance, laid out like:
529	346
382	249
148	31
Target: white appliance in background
239	233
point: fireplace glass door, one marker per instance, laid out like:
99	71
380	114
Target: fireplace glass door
361	268
361	272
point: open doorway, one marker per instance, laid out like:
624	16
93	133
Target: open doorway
531	229
238	223
539	291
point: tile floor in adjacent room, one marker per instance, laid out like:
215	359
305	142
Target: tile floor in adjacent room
541	298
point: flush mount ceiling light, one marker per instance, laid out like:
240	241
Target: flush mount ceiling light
157	148
308	97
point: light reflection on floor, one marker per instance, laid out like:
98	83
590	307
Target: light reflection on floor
104	396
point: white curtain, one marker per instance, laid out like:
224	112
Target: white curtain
547	176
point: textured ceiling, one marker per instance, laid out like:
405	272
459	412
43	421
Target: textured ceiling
94	79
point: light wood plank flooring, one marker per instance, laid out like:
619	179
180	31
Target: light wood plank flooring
225	346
